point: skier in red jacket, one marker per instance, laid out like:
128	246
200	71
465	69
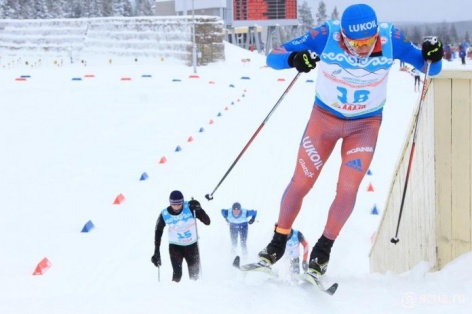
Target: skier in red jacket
355	56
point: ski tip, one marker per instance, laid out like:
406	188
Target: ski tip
331	290
237	261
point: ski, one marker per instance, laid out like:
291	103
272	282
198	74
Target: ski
259	267
316	282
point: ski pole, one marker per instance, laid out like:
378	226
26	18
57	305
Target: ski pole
198	247
395	239
158	273
210	196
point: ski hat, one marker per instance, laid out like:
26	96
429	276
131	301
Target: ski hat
236	206
359	21
176	198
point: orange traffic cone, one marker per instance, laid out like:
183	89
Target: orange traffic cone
42	267
119	199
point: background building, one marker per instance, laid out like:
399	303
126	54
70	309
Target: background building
247	23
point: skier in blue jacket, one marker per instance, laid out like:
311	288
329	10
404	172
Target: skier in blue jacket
238	219
295	239
354	56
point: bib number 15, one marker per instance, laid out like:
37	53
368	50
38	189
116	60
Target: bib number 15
184	235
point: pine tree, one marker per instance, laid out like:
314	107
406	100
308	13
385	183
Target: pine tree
428	31
335	14
305	17
321	15
441	32
56	9
87	8
128	9
107	8
27	9
74	9
12	9
96	10
416	36
117	8
41	9
453	34
143	8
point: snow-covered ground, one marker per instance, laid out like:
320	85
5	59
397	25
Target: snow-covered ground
70	147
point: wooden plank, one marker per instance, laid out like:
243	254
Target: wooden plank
429	179
442	119
470	162
470	154
461	125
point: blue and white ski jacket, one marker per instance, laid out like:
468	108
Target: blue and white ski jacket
347	86
239	220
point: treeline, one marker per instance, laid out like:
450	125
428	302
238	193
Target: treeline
449	32
55	9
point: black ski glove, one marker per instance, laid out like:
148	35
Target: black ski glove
303	61
194	205
156	259
251	221
432	49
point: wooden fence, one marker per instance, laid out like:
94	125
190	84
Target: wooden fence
437	215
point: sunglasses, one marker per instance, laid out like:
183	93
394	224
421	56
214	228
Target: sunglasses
360	42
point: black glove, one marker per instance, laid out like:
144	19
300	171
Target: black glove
156	259
432	49
194	205
304	60
305	266
251	221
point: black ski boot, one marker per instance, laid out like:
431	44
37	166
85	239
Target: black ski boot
275	250
319	256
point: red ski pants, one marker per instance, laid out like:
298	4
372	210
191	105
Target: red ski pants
323	130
